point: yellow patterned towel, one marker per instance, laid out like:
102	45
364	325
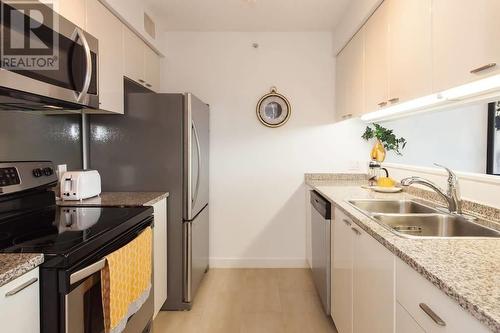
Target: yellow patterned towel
126	281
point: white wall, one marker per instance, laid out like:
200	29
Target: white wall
256	192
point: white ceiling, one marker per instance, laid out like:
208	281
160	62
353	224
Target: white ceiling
249	15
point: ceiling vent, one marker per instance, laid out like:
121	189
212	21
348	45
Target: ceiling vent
149	26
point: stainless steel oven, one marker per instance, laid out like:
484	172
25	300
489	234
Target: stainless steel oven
66	79
80	307
74	242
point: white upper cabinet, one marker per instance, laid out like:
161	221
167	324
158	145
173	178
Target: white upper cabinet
133	49
350	77
377	60
142	64
465	41
151	69
340	86
107	28
410	49
72	10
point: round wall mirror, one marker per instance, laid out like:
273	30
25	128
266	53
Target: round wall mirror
273	109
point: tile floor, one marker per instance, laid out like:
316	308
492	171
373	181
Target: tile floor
251	301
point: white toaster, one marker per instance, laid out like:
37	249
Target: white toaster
79	185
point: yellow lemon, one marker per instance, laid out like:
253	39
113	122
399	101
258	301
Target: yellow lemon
386	182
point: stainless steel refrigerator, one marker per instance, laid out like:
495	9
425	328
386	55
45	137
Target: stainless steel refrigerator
162	144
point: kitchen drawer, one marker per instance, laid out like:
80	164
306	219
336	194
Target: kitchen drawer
20	312
413	290
405	323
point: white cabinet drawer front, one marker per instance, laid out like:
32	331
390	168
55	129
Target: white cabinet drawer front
20	304
405	323
424	301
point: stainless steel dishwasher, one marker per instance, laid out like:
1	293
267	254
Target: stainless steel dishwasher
321	212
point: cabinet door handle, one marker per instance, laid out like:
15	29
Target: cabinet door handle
148	85
382	104
141	81
21	287
347	222
356	231
432	314
483	68
346	116
394	100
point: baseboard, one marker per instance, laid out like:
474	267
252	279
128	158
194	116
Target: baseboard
258	263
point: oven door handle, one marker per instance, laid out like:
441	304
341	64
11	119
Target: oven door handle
88	59
87	271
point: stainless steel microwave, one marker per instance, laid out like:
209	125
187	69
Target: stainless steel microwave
53	66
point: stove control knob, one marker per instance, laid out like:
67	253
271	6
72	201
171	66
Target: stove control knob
37	172
48	171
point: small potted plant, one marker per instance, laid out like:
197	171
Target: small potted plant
386	141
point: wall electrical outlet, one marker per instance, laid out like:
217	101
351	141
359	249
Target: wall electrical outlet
354	166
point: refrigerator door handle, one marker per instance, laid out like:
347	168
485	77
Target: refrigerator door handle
198	150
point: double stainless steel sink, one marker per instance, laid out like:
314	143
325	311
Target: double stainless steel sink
412	219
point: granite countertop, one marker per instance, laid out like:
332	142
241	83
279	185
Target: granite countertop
119	199
13	265
467	270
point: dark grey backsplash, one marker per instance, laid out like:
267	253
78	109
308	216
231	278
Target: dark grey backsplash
34	136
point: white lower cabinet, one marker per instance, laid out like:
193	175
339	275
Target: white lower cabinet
429	306
373	285
405	323
20	304
160	254
362	280
375	291
342	267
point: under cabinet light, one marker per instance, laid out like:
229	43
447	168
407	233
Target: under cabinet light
402	109
456	94
473	88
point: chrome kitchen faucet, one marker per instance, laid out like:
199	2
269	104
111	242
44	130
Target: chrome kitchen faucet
451	195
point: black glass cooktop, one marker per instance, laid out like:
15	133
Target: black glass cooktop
68	233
